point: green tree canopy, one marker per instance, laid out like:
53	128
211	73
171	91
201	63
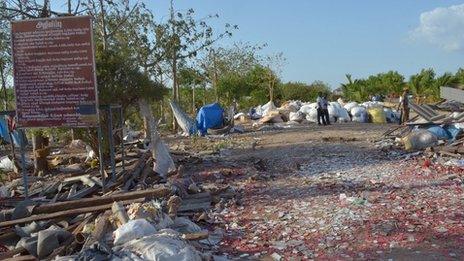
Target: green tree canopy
302	91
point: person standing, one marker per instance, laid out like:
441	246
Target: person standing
320	111
404	106
325	109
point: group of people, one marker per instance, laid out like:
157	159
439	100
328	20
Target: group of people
322	110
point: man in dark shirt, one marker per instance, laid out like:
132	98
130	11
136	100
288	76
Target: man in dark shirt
404	106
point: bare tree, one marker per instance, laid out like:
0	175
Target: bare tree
183	37
274	64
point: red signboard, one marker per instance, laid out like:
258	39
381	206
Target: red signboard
54	72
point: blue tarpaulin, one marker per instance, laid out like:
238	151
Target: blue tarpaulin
453	131
439	132
18	136
447	132
209	116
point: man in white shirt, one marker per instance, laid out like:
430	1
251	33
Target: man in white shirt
325	109
320	109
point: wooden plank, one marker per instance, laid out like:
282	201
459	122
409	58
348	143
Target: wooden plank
22	258
200	206
196	236
65	213
66	205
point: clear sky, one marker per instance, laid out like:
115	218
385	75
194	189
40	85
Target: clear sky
325	39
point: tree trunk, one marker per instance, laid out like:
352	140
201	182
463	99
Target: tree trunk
193	100
215	83
271	92
175	94
204	95
146	125
103	24
5	94
5	104
69	7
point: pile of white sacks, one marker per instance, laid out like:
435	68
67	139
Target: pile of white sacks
339	111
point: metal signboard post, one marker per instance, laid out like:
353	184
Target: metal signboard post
54	74
111	132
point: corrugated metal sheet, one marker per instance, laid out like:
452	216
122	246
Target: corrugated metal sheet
452	94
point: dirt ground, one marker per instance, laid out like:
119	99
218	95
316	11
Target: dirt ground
327	193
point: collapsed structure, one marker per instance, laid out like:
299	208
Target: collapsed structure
436	129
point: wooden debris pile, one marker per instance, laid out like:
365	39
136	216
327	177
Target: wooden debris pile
436	131
83	215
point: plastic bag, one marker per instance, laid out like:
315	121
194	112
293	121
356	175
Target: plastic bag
391	116
133	229
343	115
296	116
307	108
453	131
312	115
184	225
359	114
239	115
335	105
160	151
419	139
333	112
6	164
350	105
163	246
438	131
268	107
377	115
295	104
187	124
272	117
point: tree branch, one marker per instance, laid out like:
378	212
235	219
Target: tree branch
19	12
123	21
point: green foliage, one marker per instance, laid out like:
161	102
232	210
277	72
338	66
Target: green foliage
120	80
302	91
427	85
390	83
233	86
459	76
228	63
10	97
4	36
